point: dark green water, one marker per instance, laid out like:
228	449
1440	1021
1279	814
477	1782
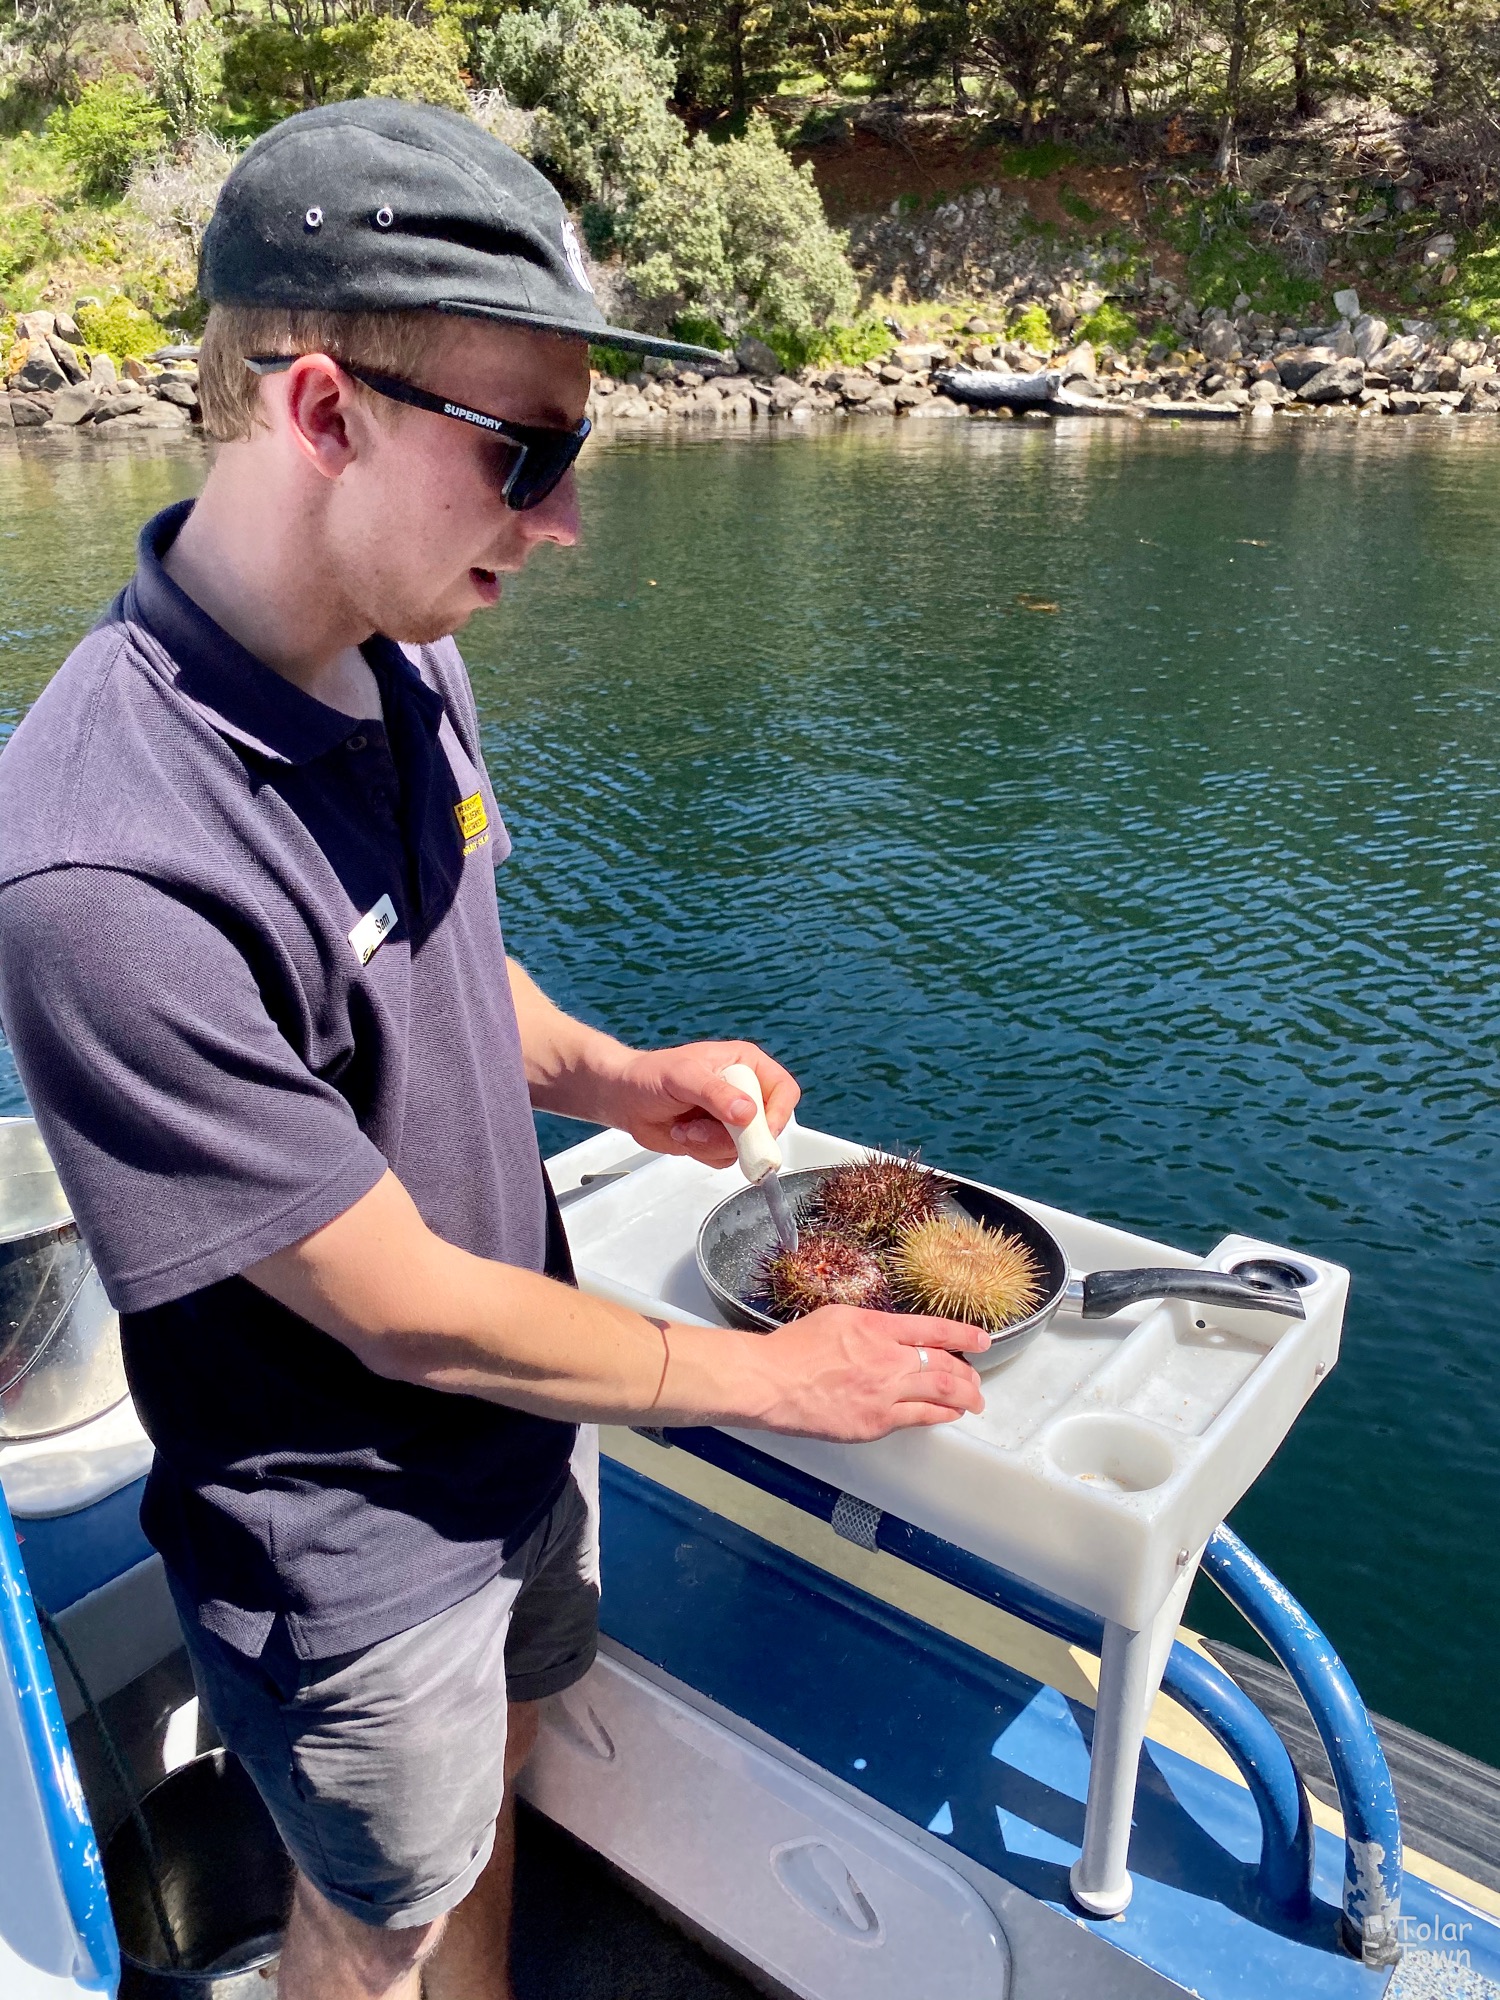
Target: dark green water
1177	905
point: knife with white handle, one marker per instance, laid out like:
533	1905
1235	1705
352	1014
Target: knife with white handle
759	1154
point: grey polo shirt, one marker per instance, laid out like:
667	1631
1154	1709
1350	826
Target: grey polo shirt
250	956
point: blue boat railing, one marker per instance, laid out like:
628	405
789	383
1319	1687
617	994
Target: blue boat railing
75	1851
1372	1845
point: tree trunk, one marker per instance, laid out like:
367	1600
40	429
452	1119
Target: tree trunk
1227	161
1305	105
734	20
960	95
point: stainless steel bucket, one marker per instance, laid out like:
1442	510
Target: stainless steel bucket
60	1360
225	1881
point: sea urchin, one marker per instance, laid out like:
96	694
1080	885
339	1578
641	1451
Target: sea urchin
825	1270
873	1200
957	1269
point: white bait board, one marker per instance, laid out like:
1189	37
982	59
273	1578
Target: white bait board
1108	1450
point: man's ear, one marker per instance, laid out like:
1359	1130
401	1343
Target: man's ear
319	400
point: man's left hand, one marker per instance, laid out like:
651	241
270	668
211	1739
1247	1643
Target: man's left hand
676	1100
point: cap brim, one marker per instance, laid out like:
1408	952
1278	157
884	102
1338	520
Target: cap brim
599	334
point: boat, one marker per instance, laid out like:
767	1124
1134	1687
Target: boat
917	1718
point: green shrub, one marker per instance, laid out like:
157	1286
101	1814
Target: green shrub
1075	205
119	328
272	71
1035	163
1108	325
843	345
186	60
113	127
1032	329
616	361
731	232
387	56
701	331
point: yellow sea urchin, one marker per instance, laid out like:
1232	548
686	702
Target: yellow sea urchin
957	1269
825	1270
873	1200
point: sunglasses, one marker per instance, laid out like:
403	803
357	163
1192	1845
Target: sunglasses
537	456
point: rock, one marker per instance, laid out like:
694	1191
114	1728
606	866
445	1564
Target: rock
737	409
787	395
1370	336
1441	374
1340	382
40	370
184	353
69	360
102	372
7	421
66	328
910	394
1268	391
1080	365
1467	353
1219	340
892	375
755	358
1301	364
35	325
135	371
935	407
75	404
853	388
153	416
1403	403
1346	304
119	403
874	406
29	412
1437	250
177	389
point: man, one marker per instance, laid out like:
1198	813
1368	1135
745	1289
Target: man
252	970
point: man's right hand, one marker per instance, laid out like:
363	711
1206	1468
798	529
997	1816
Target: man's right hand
853	1375
416	1309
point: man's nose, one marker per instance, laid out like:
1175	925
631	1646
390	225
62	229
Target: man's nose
555	519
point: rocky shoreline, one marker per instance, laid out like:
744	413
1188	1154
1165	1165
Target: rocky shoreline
1224	368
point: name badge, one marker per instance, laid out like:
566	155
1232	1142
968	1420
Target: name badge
372	930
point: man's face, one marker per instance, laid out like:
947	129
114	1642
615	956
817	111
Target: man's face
419	529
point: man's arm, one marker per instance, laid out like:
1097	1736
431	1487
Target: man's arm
670	1100
416	1309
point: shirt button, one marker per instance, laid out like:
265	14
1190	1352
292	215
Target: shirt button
357	743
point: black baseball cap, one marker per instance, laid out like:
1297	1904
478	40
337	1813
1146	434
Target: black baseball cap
375	206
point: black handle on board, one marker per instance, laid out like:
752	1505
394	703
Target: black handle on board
1106	1292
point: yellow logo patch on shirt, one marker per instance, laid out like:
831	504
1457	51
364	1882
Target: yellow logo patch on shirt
473	822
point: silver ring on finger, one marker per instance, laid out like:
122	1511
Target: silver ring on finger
921	1359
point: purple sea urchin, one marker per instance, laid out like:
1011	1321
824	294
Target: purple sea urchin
958	1269
873	1200
825	1270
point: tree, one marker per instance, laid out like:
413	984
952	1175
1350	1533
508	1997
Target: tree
186	58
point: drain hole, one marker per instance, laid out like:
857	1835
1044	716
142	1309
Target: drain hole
1275	1271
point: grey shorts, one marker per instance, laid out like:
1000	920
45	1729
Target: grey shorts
384	1768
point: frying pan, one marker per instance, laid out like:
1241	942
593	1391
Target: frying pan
735	1237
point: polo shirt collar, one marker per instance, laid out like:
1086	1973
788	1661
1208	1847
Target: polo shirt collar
237	694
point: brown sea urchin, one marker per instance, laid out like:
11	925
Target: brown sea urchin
873	1200
825	1270
957	1269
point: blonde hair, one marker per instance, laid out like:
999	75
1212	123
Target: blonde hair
387	343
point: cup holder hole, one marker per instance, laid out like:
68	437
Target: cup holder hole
1111	1453
1279	1271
